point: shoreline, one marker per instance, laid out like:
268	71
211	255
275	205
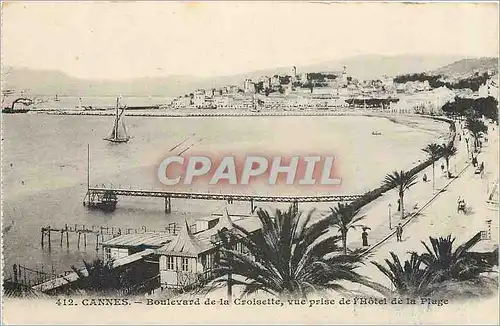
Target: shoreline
226	113
394	116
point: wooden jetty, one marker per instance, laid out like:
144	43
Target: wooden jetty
99	232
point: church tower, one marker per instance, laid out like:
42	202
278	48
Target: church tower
344	77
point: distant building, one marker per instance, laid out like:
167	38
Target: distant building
199	98
233	89
343	77
303	78
275	81
294	74
181	102
266	82
249	86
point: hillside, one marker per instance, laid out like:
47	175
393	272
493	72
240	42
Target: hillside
466	68
49	82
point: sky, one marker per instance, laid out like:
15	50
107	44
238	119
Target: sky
118	40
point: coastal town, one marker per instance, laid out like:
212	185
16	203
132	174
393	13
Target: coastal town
329	90
284	94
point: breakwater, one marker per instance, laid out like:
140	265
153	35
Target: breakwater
171	114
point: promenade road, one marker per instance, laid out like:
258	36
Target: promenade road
440	216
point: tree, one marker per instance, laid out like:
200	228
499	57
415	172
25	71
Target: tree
441	271
488	107
289	257
19	290
448	151
344	218
434	152
411	278
100	277
97	276
476	128
456	264
403	180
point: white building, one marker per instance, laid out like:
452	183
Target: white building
199	98
249	86
191	257
490	88
343	77
266	82
294	74
275	80
303	78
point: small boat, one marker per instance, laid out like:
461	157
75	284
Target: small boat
23	101
105	202
11	110
118	133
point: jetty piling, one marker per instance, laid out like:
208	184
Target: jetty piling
252	207
168	205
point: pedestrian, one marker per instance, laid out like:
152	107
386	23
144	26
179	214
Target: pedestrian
442	167
364	236
399	205
399	232
424	178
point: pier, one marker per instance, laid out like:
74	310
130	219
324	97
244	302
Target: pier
99	232
99	192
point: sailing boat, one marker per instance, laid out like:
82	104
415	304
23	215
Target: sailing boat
119	132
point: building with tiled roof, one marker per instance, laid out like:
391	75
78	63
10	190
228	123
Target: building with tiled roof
191	257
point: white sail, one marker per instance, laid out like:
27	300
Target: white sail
121	127
118	132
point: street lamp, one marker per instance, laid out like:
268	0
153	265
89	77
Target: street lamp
390	222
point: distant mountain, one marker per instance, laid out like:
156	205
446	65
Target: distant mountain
50	83
375	66
467	67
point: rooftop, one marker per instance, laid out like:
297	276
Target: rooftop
143	239
185	244
189	245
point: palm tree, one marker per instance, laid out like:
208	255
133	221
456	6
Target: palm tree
456	265
448	151
403	180
14	289
96	276
290	256
441	271
411	278
476	128
344	218
434	152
